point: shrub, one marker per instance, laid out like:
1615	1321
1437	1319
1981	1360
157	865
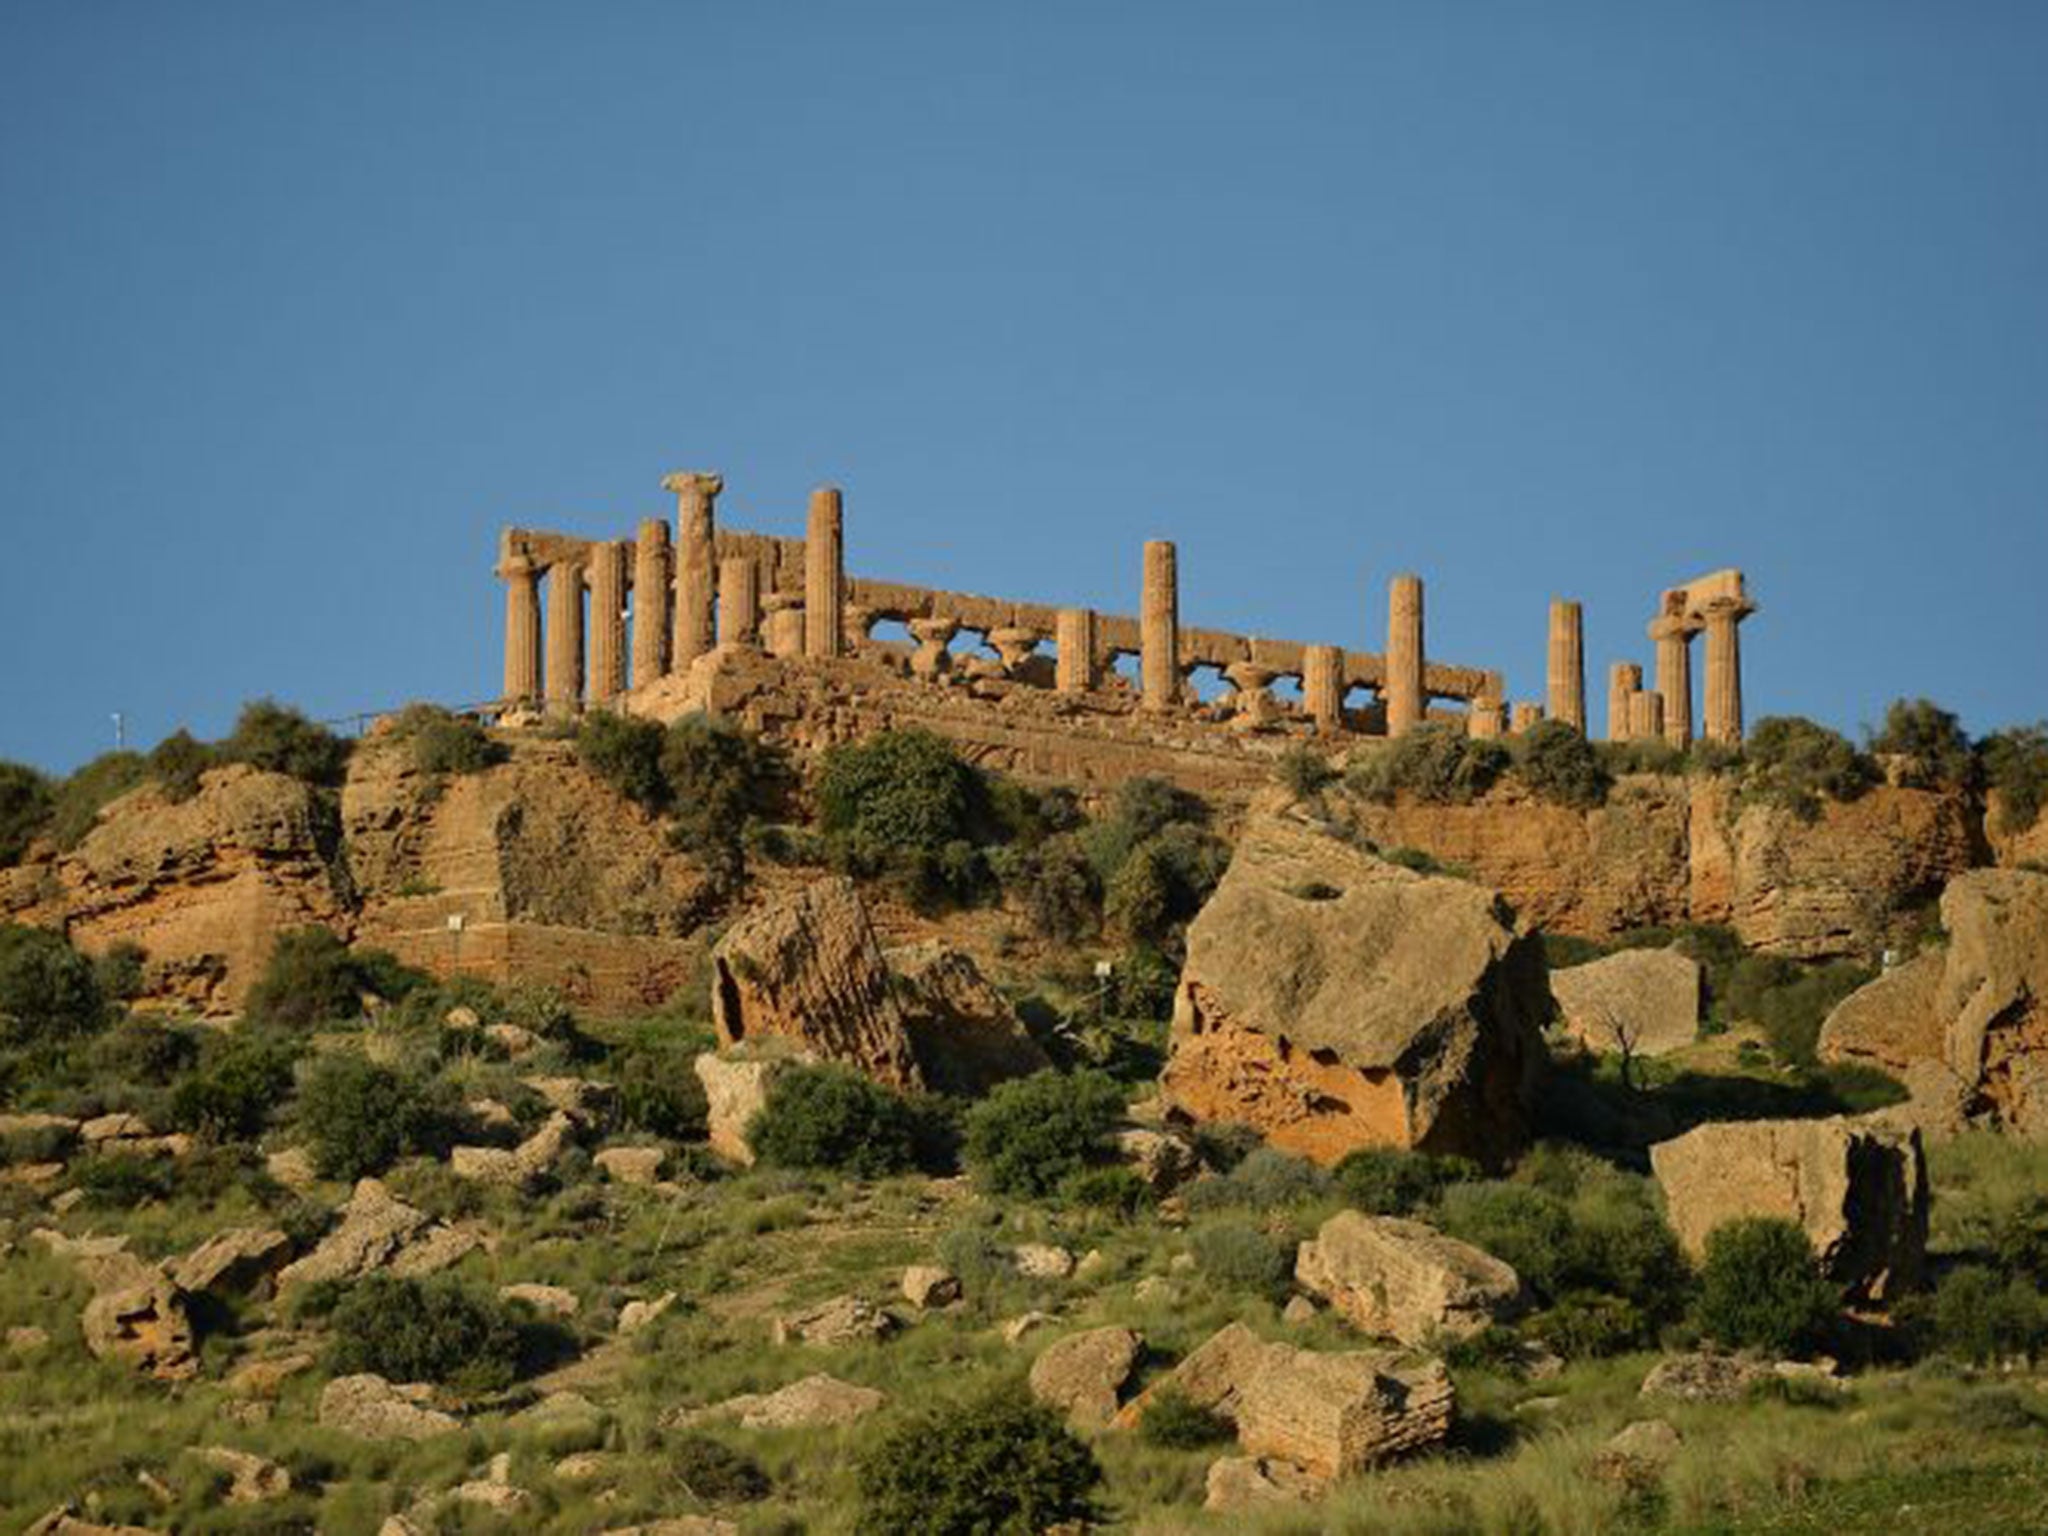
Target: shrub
79	799
1304	772
625	751
118	969
830	1117
1929	742
1175	1422
900	792
1558	763
311	977
1235	1254
1996	1411
1435	762
432	1329
1056	885
1266	1179
1031	1134
2015	764
360	1117
26	802
713	1471
230	1098
442	741
1530	1229
1760	1287
1984	1317
1116	1191
178	763
120	1181
1586	1325
999	1464
1795	764
279	739
48	990
1791	1001
1386	1181
659	1094
1164	881
719	779
1141	984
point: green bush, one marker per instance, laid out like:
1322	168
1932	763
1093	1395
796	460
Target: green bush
118	969
1304	772
1760	1288
1235	1254
48	990
230	1098
1986	1317
625	752
659	1093
1164	882
1175	1422
311	977
1266	1179
1557	762
1387	1181
1930	743
1143	808
78	801
26	803
1115	1191
1001	1464
1528	1228
831	1117
1142	982
178	763
720	779
1794	764
435	1329
1790	1000
360	1117
1033	1133
2016	765
900	792
1436	762
1057	886
442	741
1587	1325
278	739
713	1471
120	1181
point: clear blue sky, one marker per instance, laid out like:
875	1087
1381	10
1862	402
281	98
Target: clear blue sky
299	302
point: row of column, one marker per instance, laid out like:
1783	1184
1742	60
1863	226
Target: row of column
1665	712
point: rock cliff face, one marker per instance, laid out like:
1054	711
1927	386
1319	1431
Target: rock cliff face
1333	1000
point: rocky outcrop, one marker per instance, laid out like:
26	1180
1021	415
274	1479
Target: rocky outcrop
242	1259
1857	1186
841	1320
516	1167
1082	1374
811	1403
1332	1000
926	1286
963	1033
1405	1280
1253	1482
146	1323
379	1231
1891	1023
1644	1002
371	1408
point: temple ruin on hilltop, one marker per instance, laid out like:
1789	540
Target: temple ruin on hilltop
774	631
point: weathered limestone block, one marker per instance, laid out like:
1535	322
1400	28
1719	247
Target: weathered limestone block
963	1033
371	1408
1407	702
241	1259
1565	676
736	1086
1165	1158
1893	1023
517	1167
928	1285
1332	1000
783	623
806	967
631	1165
841	1320
1642	1001
548	1300
1405	1280
1333	1415
252	1479
1255	1482
1081	1374
815	1402
1857	1186
378	1231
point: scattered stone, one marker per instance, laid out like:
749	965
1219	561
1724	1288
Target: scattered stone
586	1467
66	1201
254	1479
1406	1280
371	1408
492	1120
462	1017
1042	1261
927	1285
1299	1310
378	1231
1857	1185
1164	1159
239	1260
104	1262
146	1324
27	1340
635	1315
1653	1440
264	1379
1892	1023
678	1525
1645	1002
631	1165
1015	1330
736	1086
588	1103
1703	1378
562	1421
62	1522
548	1300
1091	1266
1082	1374
963	1033
841	1320
516	1041
810	1403
115	1127
1249	1482
292	1167
34	1175
1155	1288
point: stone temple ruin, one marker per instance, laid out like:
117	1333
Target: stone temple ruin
775	631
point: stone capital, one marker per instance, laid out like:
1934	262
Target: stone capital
1673	626
687	482
1736	608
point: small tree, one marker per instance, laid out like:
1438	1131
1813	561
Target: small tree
999	1464
1031	1134
2016	765
178	763
432	1329
1930	744
1795	764
830	1117
1760	1287
48	990
25	804
311	977
279	739
442	741
1436	762
1560	764
361	1117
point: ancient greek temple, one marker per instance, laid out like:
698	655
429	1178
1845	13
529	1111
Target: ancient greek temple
600	623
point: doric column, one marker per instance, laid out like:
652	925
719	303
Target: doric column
739	601
933	658
1645	715
825	575
1488	716
1623	679
651	602
1673	637
1015	644
1724	671
1525	717
1074	659
696	554
1406	702
1159	625
607	622
522	628
565	637
1322	685
1567	672
783	623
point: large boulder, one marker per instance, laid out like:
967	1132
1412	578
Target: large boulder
1890	1023
1082	1374
371	1408
147	1324
379	1231
963	1032
1333	1000
1643	1002
1857	1186
1405	1280
239	1259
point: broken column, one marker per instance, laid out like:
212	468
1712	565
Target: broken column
607	621
565	636
1645	715
1527	715
933	656
522	627
1567	671
825	575
1673	637
739	601
1488	715
1624	680
782	624
1406	701
696	546
1074	659
1159	625
1724	671
650	602
1322	685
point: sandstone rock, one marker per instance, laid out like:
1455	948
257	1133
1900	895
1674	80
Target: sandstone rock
239	1260
1332	1000
927	1285
1252	1482
61	1522
1164	1159
631	1165
736	1089
635	1315
807	967
104	1262
1646	1001
371	1408
1082	1374
292	1167
113	1128
678	1525
587	1467
588	1103
253	1480
1299	1311
1993	1000
1650	1440
1703	1378
841	1320
1157	1288
1337	1414
1406	1280
519	1167
1042	1261
146	1324
813	1402
264	1379
516	1041
378	1231
1890	1023
1857	1186
548	1300
1017	1329
963	1033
